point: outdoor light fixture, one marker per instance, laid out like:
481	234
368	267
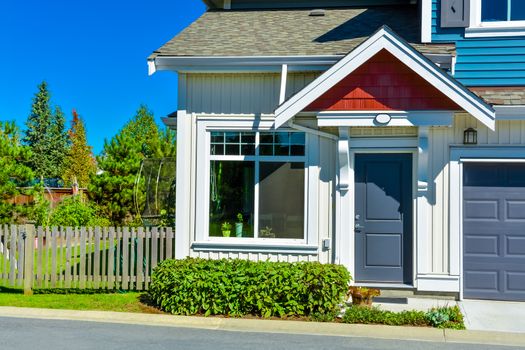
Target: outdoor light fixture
470	137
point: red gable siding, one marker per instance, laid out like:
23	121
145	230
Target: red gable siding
383	83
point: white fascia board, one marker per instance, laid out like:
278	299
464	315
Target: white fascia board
386	39
244	63
516	112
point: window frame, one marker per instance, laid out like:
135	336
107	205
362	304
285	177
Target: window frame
202	239
477	28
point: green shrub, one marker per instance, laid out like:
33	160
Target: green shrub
367	315
444	317
241	287
74	211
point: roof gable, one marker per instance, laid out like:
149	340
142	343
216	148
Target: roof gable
383	83
385	39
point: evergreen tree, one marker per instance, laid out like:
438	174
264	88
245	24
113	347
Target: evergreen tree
13	172
59	144
46	136
112	189
117	189
80	163
144	129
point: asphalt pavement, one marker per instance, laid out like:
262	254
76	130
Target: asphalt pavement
43	334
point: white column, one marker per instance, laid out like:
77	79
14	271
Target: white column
344	210
423	229
183	195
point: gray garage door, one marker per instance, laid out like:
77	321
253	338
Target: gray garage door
494	231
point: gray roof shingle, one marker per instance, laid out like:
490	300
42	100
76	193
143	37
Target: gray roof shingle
501	95
294	32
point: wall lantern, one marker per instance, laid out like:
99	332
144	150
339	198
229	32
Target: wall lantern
470	137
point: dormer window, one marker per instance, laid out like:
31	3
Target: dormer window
496	18
502	10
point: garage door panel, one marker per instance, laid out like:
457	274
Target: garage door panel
515	246
515	281
486	210
494	231
482	245
483	280
515	210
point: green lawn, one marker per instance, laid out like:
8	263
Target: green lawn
123	302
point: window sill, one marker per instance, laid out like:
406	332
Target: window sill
255	246
489	32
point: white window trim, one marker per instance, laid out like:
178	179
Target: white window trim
458	156
202	241
479	29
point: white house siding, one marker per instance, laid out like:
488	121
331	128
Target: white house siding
247	93
507	133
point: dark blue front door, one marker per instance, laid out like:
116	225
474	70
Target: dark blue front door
383	221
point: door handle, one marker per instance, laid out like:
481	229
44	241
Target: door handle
358	228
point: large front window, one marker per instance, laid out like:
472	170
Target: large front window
502	10
257	185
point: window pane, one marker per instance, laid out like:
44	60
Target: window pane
494	10
233	150
232	137
231	194
217	150
266	150
281	200
517	10
266	137
217	137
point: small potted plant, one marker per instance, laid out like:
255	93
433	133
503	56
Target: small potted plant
266	233
362	296
226	229
238	225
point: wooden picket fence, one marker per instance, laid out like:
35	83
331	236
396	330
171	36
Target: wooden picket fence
86	257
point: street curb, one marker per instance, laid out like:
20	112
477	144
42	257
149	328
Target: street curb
272	326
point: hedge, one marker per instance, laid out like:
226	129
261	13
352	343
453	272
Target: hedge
240	287
442	317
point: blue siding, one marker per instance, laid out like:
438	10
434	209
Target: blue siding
485	61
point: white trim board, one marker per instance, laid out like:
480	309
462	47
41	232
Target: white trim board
397	118
386	39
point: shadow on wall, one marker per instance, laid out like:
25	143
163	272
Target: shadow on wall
400	19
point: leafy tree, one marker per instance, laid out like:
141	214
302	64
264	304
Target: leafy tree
13	172
46	137
112	189
80	164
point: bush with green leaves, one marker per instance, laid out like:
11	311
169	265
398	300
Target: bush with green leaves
75	212
444	317
241	287
374	315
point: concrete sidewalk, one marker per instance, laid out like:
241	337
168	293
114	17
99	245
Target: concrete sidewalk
273	326
480	315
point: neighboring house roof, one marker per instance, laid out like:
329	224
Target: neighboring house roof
294	32
386	39
507	95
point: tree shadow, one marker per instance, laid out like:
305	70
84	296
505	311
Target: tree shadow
401	19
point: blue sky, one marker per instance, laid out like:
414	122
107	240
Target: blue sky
93	55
